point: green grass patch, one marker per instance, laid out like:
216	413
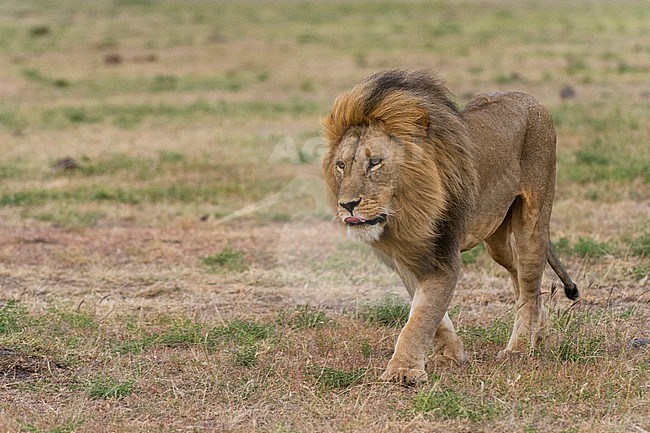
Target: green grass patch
69	218
140	168
581	339
611	147
562	245
583	247
71	330
100	194
36	76
510	78
391	310
148	187
111	164
449	404
133	346
240	332
231	82
79	195
333	378
640	272
171	157
640	246
29	197
12	318
180	334
497	332
366	349
106	387
589	247
594	162
304	317
16	169
60	333
226	261
76	320
66	427
129	116
10	118
576	64
244	338
580	348
245	355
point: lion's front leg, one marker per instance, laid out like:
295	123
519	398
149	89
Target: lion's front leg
447	345
429	305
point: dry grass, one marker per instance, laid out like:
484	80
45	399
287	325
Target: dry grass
184	275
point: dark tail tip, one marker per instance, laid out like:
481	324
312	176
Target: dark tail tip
571	292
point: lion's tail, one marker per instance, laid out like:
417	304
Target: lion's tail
570	288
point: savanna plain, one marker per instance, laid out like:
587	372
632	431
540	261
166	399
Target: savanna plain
167	262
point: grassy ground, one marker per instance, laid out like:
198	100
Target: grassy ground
167	263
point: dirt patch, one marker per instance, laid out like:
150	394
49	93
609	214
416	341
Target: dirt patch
18	366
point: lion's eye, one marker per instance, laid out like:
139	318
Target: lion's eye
374	163
340	165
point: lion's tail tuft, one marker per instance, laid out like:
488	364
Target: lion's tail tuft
571	292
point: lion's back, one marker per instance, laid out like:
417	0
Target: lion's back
504	98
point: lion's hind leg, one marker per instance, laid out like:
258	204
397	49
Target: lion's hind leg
502	248
529	225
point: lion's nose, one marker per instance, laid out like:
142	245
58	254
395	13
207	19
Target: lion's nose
349	206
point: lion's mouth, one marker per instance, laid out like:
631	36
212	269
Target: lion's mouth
357	221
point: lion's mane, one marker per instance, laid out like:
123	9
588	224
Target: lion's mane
437	184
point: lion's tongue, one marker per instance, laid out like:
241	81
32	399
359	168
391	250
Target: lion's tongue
353	220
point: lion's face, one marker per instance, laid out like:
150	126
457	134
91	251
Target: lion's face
366	167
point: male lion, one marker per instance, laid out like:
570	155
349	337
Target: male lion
421	181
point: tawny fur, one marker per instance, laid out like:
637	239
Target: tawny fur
421	181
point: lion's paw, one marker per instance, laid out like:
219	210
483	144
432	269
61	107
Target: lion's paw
450	352
404	375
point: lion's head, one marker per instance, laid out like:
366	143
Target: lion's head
398	161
